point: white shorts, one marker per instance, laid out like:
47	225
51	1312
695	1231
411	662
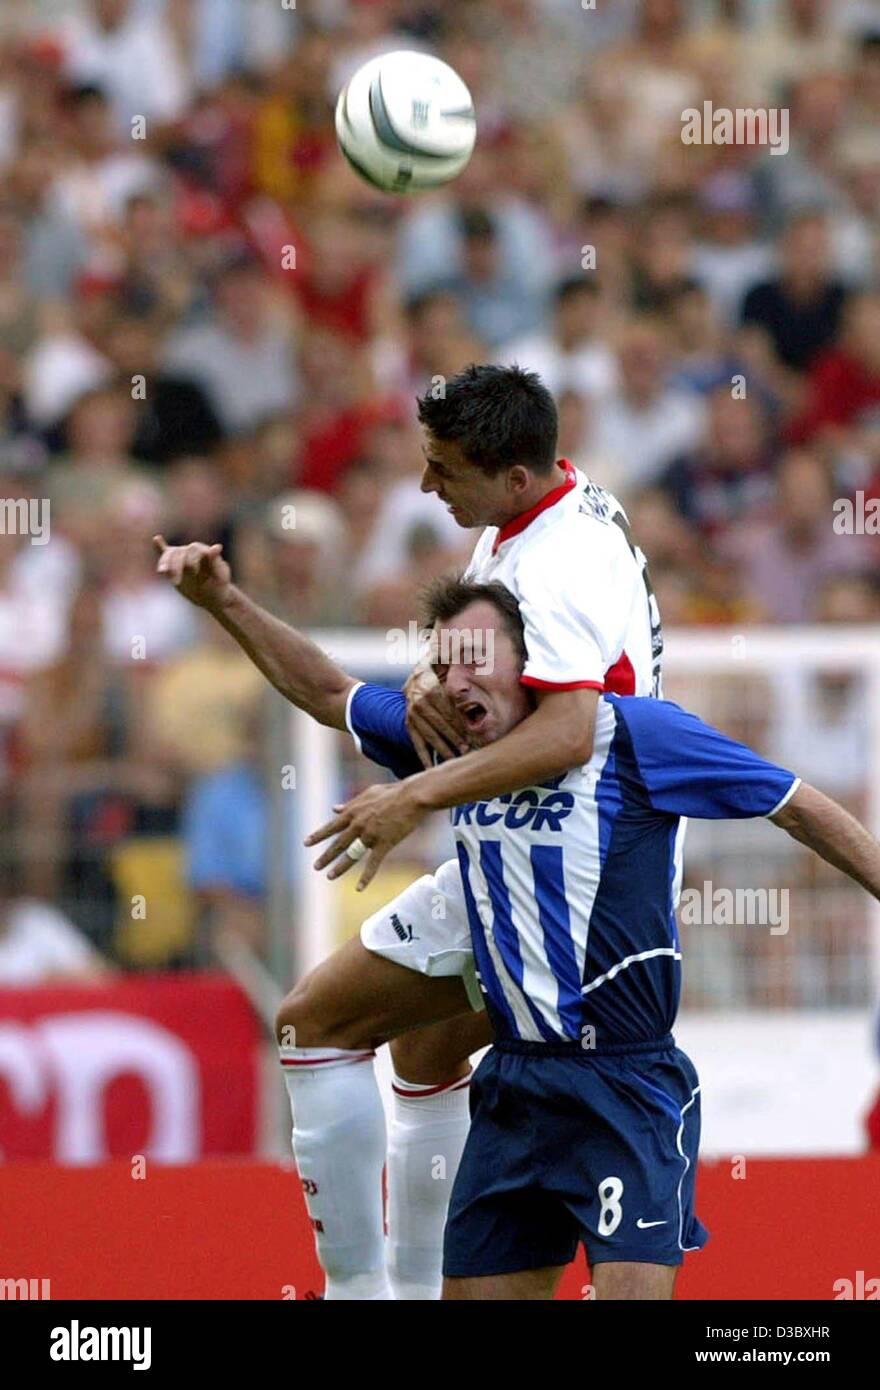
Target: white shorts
426	929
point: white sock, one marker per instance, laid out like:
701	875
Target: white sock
339	1146
428	1130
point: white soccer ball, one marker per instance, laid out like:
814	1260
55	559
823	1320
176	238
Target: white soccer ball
405	121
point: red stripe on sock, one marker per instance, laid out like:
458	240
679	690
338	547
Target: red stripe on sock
456	1085
319	1061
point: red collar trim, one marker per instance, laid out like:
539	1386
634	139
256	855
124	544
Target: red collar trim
519	523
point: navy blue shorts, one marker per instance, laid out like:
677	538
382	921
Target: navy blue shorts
568	1146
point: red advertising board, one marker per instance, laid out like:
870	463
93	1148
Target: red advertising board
160	1066
784	1229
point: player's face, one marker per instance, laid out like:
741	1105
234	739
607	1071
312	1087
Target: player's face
472	497
479	666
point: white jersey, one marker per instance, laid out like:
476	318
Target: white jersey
590	615
591	621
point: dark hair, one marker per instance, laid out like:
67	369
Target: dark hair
448	596
477	224
499	416
416	304
574	285
85	94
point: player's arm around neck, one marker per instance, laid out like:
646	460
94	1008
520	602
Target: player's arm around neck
556	737
825	827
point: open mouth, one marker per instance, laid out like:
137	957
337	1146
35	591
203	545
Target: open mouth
475	715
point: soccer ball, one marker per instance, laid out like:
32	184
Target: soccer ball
405	121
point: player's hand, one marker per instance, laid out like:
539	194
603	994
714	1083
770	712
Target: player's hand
380	817
198	571
432	719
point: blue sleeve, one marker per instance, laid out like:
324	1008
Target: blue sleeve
376	718
687	768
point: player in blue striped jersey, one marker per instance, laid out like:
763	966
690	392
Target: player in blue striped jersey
636	797
585	1115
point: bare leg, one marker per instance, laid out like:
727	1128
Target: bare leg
527	1284
357	999
615	1280
442	1051
630	1280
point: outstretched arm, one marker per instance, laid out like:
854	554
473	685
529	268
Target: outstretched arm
304	675
825	827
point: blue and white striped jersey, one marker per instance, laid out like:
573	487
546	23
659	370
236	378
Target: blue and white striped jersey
571	887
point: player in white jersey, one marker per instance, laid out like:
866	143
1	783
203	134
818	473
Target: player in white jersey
563	548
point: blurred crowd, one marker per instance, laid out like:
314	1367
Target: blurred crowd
206	320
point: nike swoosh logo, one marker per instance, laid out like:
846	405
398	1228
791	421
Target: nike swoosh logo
643	1225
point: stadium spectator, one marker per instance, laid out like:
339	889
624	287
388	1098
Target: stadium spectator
865	89
728	257
196	500
807	176
497	307
661	255
430	248
95	461
643	424
824	720
791	39
130	51
226	833
388	604
730	473
25	608
63	366
40	946
243	355
800	310
785	558
292	559
54	247
141	626
843	387
173	414
436	343
572	353
79	750
99	178
705	357
19	305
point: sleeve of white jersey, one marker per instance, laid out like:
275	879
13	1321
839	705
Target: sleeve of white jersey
576	590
